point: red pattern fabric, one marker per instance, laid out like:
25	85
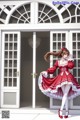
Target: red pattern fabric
52	86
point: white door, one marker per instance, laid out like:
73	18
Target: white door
10	81
75	44
58	39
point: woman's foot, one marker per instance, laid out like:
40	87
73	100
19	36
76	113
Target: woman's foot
60	113
66	115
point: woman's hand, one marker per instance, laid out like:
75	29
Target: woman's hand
44	73
46	56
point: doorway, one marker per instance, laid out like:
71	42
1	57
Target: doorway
42	46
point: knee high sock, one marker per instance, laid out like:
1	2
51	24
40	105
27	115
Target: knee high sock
66	105
64	99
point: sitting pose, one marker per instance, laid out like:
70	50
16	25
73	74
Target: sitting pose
64	86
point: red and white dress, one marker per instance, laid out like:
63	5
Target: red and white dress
52	86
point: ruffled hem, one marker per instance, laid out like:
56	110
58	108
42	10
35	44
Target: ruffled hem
52	93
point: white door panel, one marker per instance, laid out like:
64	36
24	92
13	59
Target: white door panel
71	40
58	39
75	40
10	88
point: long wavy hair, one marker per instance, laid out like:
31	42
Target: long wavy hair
59	53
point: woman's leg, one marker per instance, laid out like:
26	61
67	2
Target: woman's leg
66	104
65	90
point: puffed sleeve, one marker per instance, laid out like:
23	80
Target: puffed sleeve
70	64
53	69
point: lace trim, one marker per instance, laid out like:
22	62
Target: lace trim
52	93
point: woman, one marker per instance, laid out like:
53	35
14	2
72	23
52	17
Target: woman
64	86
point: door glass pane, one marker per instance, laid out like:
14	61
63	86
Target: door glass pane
15	73
26	70
10	63
15	63
6	46
10	55
10	46
15	46
10	81
6	37
78	36
11	37
54	36
5	81
6	63
41	100
74	36
59	37
5	72
6	55
15	54
14	82
15	37
63	36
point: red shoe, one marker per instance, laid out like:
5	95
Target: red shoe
66	116
59	114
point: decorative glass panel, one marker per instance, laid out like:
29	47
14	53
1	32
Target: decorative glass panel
69	12
10	60
46	14
21	15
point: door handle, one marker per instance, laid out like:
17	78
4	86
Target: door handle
34	74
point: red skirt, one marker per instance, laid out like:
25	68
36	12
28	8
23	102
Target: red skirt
51	87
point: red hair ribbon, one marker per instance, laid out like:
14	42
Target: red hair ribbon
63	49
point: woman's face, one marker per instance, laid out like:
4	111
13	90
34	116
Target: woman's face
65	55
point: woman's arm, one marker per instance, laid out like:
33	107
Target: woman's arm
53	69
70	64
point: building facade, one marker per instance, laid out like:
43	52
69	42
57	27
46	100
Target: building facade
28	29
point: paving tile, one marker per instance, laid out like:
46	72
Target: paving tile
38	116
54	117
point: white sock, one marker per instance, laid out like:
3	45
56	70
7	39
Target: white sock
66	107
65	90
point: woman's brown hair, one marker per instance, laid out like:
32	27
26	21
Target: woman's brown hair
60	53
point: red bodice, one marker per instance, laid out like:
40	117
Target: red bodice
64	69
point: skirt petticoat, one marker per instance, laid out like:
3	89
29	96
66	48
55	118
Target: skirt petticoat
51	87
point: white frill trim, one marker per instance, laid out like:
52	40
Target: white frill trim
52	93
44	73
